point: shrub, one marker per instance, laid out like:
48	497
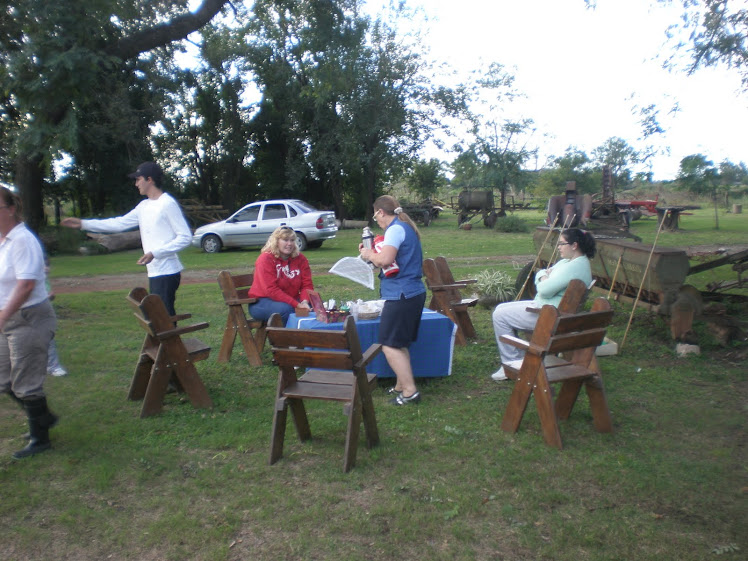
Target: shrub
511	223
494	286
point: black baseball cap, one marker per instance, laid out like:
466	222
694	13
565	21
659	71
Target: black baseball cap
148	169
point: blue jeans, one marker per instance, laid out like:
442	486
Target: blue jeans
166	287
265	307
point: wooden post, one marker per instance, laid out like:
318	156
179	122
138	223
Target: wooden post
615	275
641	284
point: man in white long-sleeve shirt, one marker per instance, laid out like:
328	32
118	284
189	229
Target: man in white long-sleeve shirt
163	232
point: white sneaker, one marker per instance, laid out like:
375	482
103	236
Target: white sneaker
59	371
499	375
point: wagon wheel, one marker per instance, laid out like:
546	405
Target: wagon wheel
489	221
529	292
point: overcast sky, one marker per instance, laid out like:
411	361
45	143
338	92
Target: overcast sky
584	70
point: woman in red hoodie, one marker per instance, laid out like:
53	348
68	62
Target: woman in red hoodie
282	277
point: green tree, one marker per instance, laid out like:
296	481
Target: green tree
620	156
206	123
345	103
575	166
733	174
499	146
426	178
72	74
698	175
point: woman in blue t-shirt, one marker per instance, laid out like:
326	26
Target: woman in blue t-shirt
403	292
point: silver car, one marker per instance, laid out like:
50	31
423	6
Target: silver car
252	225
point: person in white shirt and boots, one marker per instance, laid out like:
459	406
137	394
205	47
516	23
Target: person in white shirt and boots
163	232
27	323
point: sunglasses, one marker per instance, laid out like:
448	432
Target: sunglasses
286	228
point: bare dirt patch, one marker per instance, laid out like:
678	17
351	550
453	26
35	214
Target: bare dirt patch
104	283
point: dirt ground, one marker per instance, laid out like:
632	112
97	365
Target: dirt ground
101	283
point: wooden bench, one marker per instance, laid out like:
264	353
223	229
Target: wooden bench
235	290
165	356
336	372
576	336
447	299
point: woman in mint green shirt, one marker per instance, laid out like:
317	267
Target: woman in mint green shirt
576	248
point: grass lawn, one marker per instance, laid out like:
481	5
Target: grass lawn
445	483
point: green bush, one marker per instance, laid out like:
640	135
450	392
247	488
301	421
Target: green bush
511	223
495	284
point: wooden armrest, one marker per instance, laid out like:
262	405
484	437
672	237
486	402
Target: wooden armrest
180	317
533	310
234	301
522	344
369	355
182	330
515	342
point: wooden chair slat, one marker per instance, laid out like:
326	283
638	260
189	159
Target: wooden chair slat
310	358
568	372
585	320
350	384
324	338
336	377
314	390
578	340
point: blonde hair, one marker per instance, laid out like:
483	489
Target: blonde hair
280	233
390	206
9	198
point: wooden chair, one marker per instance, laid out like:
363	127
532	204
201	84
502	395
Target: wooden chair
336	372
571	302
447	299
235	289
576	336
165	356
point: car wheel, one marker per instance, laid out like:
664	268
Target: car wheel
300	241
211	244
314	245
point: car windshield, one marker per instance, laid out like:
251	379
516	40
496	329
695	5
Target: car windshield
304	207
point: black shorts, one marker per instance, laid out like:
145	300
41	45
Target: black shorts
399	322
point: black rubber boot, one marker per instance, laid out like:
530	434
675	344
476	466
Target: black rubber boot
41	419
50	419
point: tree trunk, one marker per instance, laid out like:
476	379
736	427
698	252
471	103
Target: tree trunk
29	181
716	211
